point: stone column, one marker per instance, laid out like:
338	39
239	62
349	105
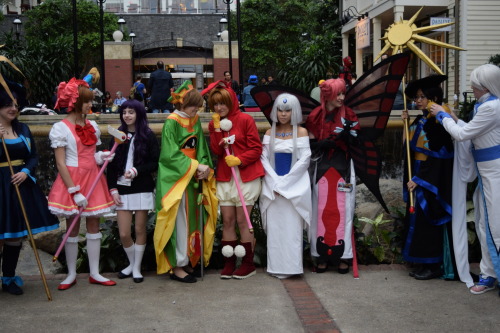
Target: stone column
377	34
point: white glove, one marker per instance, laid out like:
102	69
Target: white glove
102	156
80	200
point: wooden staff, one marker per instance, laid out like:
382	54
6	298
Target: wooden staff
32	240
408	156
202	215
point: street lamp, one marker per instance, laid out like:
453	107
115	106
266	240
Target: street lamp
228	20
17	22
121	22
131	35
103	71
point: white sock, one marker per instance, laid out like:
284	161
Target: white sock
71	251
139	252
93	252
131	258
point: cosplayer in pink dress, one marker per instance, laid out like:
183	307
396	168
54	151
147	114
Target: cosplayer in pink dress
74	140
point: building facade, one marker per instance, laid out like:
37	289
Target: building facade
475	29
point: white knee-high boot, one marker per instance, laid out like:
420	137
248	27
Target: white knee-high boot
130	251
93	252
139	253
71	252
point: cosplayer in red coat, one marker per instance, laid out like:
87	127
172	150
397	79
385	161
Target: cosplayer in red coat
245	157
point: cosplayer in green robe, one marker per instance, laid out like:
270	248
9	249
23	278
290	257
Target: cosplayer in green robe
183	148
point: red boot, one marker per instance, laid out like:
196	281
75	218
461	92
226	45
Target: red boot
247	268
229	259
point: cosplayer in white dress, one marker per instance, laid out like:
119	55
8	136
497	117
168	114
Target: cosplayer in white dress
484	132
285	201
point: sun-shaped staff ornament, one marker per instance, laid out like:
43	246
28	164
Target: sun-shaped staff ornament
404	34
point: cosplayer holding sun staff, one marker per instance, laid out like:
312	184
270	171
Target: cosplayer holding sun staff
228	121
184	161
131	182
74	140
484	132
428	235
331	127
23	158
285	201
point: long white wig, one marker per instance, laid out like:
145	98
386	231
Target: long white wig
486	77
285	102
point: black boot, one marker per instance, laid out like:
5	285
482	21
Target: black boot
10	282
430	271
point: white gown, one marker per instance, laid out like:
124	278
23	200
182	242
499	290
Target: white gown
284	216
484	132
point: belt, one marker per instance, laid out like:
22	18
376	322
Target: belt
13	163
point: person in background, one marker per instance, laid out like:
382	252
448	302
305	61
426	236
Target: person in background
119	100
92	78
131	183
185	165
74	140
23	158
271	81
140	89
263	81
245	158
246	97
484	132
108	101
159	84
232	83
285	201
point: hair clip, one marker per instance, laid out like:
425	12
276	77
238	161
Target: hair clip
284	100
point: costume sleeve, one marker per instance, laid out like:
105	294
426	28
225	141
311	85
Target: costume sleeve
482	122
151	162
58	135
97	132
215	138
113	169
253	149
300	167
202	152
171	156
31	162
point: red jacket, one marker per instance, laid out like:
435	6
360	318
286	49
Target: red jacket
247	146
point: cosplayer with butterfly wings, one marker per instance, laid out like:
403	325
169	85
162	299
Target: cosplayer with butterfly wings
342	130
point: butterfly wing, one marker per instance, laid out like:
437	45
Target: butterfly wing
371	98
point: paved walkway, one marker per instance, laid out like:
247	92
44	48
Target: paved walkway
384	299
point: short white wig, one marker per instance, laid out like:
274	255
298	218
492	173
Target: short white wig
486	77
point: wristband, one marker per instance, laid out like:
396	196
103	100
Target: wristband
113	191
74	189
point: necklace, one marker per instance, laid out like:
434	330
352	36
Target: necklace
283	135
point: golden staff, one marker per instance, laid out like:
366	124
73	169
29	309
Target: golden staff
32	240
407	139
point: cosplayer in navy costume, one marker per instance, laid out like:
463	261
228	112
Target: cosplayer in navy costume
131	182
24	158
428	240
245	156
285	201
484	132
74	140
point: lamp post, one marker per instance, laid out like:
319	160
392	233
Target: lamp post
224	25
103	70
131	35
121	22
240	50
75	38
17	23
